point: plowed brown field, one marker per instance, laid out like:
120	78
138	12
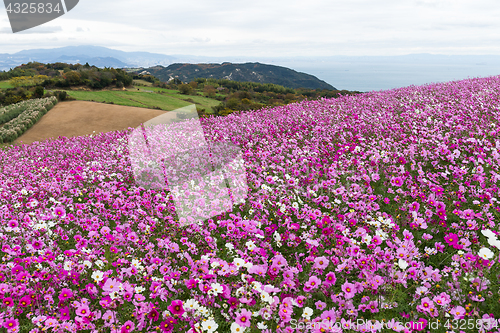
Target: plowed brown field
78	118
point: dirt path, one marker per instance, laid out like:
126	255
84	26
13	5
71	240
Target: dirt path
78	118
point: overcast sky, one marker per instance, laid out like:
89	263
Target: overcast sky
270	28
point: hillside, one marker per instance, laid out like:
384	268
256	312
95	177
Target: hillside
358	204
247	72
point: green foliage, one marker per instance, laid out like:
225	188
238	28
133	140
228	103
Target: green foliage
62	95
72	75
39	91
185	89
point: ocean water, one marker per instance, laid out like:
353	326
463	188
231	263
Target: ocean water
372	75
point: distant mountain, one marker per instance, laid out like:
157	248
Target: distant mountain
247	72
94	55
95	61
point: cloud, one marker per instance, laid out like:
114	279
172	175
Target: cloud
274	28
200	40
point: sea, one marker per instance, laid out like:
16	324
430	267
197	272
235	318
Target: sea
366	74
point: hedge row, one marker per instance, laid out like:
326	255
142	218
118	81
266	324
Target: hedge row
10	112
33	110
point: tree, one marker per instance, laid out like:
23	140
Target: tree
39	91
185	89
209	91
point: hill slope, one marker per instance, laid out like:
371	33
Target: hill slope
247	72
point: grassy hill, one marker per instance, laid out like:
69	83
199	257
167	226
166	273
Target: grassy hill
158	98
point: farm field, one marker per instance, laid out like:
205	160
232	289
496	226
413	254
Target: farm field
382	207
79	118
168	101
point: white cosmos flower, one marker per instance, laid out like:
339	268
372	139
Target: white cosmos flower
266	297
367	239
488	233
307	312
235	328
209	325
494	242
486	253
261	326
402	264
97	276
216	289
191	304
250	244
238	262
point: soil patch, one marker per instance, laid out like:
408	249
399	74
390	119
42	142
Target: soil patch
79	118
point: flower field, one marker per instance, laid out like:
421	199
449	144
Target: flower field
19	117
376	212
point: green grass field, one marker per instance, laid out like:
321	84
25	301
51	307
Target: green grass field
5	85
168	100
143	82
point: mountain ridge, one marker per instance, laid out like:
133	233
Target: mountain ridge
246	72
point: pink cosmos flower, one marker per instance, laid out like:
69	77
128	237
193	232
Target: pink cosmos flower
348	289
111	285
330	279
190	284
83	311
373	307
442	214
397	181
312	283
60	211
468	214
64	311
299	301
243	318
451	239
321	262
128	326
233	302
7	301
458	312
414	207
320	305
25	301
11	323
176	308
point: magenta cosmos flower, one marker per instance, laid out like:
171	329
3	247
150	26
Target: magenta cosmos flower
128	326
330	279
176	307
60	211
451	239
397	181
11	324
243	318
65	294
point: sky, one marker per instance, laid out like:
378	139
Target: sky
270	28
